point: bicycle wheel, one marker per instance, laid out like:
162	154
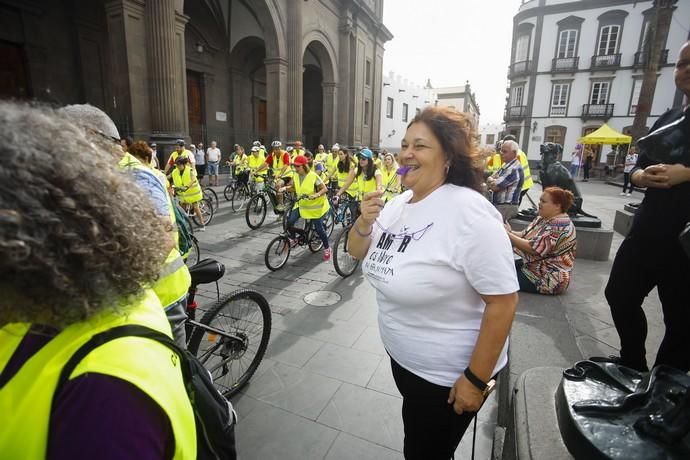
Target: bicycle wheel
212	196
348	218
206	209
329	222
289	203
277	253
255	213
232	361
228	190
194	254
315	243
343	262
239	198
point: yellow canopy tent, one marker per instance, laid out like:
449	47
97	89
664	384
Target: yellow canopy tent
605	135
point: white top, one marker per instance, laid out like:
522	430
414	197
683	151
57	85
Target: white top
575	160
630	162
429	266
199	157
213	155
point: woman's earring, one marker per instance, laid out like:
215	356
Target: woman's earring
447	168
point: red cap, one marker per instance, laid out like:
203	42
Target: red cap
300	160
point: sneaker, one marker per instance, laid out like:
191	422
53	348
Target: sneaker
327	254
629	193
202	229
280	208
623	194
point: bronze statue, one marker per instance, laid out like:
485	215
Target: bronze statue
553	173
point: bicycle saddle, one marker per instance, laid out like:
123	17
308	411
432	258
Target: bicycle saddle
206	271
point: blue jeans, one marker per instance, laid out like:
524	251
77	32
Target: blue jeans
317	223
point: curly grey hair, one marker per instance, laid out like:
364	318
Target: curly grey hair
72	225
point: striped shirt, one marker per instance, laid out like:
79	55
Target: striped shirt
509	180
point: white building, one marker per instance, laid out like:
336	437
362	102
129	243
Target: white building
400	102
459	98
578	64
490	133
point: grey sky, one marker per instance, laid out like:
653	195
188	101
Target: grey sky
451	41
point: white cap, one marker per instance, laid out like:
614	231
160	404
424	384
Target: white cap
255	149
336	146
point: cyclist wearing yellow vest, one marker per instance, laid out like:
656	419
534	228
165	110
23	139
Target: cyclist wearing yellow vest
321	155
126	399
332	165
279	161
297	150
174	281
389	177
255	161
312	204
367	176
241	163
180	150
187	187
525	168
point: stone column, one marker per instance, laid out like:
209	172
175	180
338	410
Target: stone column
343	116
330	93
295	69
276	97
163	61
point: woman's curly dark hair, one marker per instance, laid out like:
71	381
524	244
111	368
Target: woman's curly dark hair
71	222
457	135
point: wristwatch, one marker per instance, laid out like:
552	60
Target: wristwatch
485	388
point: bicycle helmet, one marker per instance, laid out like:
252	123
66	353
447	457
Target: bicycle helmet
336	147
255	148
289	149
180	142
275	144
256	144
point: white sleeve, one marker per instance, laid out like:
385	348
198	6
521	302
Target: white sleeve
484	253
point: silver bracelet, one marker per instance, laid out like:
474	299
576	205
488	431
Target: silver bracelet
363	235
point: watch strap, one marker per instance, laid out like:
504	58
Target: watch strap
474	380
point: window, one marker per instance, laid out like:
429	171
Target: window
600	93
389	107
366	113
522	48
404	113
367	75
566	43
637	86
559	99
608	40
555	134
516	96
490	139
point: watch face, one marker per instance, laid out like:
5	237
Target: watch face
489	388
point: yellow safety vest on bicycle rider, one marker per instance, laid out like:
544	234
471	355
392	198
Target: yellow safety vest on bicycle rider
390	183
255	162
342	177
26	399
365	186
528	183
174	278
310	209
193	194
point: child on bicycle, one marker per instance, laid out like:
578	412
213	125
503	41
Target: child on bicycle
312	204
187	186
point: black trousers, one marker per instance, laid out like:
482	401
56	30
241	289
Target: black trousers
638	267
432	428
626	182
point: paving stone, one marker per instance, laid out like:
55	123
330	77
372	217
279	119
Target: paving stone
348	447
291	349
344	364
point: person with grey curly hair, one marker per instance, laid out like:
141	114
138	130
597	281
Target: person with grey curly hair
75	264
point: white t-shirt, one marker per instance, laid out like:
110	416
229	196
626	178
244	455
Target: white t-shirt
213	155
199	157
429	266
630	162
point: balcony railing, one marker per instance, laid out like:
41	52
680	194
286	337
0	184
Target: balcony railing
516	112
565	64
641	58
558	111
590	111
519	68
606	60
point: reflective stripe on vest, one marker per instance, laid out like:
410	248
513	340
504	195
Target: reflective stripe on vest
310	209
192	194
174	278
26	399
525	168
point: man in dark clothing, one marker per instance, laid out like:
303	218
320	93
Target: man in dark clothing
651	254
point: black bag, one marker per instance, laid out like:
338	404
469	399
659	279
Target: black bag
213	414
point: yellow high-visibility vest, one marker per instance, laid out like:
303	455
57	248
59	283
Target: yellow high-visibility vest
310	209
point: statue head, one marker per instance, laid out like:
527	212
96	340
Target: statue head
550	152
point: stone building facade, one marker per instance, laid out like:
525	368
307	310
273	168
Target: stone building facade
226	70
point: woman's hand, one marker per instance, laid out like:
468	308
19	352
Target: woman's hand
508	228
464	396
371	207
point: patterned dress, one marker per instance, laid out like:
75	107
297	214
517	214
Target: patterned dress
555	242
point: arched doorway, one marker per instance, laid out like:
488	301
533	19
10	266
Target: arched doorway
249	97
318	96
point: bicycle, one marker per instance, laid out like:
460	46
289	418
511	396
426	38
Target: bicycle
188	245
342	209
278	250
205	206
242	194
231	338
211	196
256	210
227	191
344	264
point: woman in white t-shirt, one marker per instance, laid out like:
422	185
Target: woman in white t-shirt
628	166
445	277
